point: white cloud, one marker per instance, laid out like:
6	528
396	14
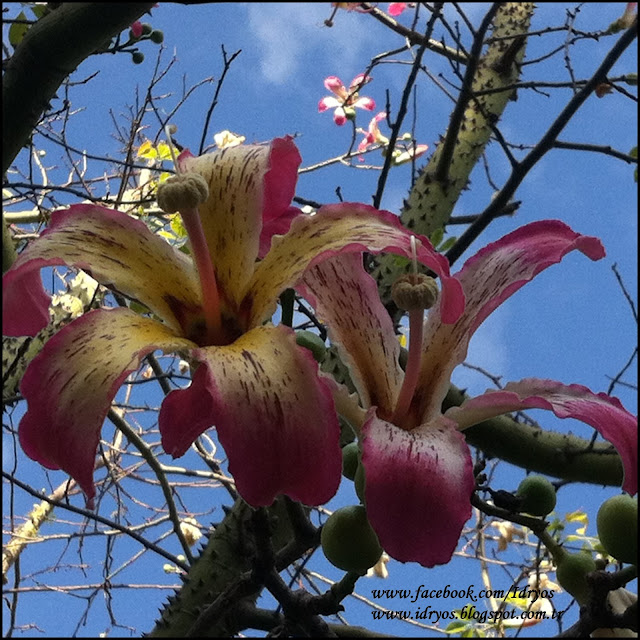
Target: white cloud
290	34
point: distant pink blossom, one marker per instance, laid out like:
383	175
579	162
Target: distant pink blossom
396	8
136	29
345	100
373	134
401	154
350	6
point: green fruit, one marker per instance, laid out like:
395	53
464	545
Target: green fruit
359	482
156	36
146	28
349	542
137	57
313	342
350	460
618	528
571	573
538	495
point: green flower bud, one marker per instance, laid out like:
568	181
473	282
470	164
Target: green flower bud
157	36
617	523
146	28
350	113
349	542
572	574
137	57
538	495
350	460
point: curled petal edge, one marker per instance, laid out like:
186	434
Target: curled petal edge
604	413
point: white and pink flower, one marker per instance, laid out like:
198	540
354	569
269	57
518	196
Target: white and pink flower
344	100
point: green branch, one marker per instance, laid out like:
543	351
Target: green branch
50	51
441	182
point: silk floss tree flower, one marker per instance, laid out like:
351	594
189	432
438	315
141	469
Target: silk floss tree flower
251	380
418	467
373	135
345	101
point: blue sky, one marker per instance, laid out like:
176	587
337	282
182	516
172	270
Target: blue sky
571	324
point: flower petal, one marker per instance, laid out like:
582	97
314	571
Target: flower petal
329	102
340	116
245	183
365	103
276	227
359	81
488	278
279	189
69	386
274	415
25	303
604	413
418	488
334	84
340	228
345	297
396	8
116	250
136	29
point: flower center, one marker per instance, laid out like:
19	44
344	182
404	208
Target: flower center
183	193
413	293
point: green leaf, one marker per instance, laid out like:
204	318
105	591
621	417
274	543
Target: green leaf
456	627
447	244
17	30
138	308
178	227
436	236
147	150
520	603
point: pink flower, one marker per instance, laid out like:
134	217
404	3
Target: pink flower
373	134
136	29
401	154
418	467
396	8
345	101
252	381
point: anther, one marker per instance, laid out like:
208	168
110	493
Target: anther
414	292
182	192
